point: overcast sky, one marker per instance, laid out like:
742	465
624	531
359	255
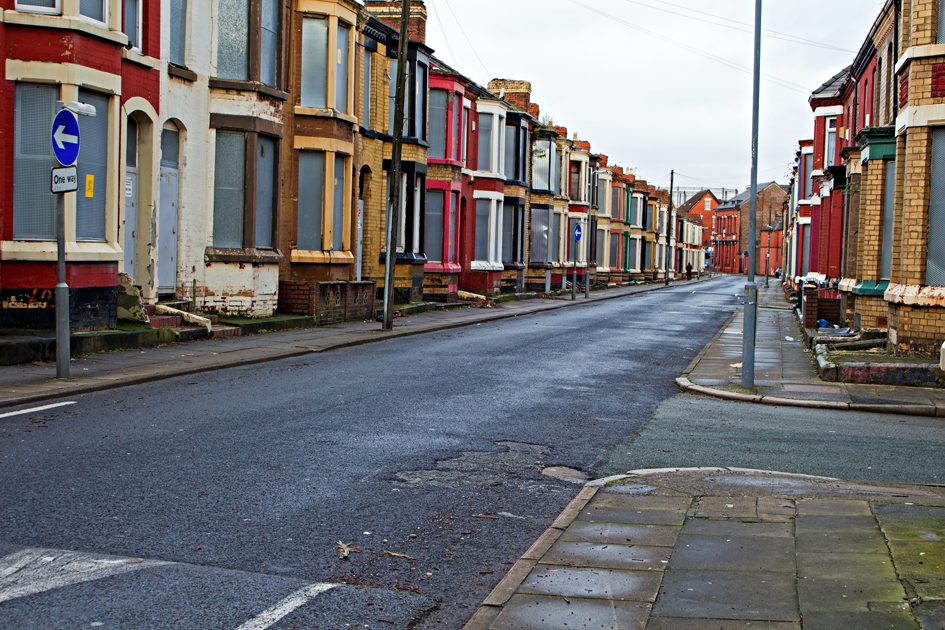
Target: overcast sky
648	98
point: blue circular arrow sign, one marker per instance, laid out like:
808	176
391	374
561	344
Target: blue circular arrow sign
578	232
65	137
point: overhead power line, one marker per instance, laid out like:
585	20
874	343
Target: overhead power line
446	39
766	32
463	31
731	64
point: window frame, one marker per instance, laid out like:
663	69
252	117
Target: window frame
449	249
106	14
494	229
29	8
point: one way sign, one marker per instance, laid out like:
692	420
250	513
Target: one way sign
65	137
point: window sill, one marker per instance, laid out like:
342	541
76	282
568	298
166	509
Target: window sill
138	58
513	266
444	162
321	257
254	256
249	86
442	268
480	265
541	265
181	72
325	113
411	258
72	23
45	251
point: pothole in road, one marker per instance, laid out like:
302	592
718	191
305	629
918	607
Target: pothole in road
480	468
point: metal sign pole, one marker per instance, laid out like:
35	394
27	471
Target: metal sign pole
63	343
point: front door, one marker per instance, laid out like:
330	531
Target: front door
167	231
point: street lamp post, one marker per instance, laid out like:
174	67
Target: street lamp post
751	289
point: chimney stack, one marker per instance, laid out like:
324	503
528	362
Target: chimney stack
388	12
519	93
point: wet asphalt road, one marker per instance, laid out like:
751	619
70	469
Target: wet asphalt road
218	501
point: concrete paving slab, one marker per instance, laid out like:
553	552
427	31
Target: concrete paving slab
728	595
911	522
923	560
738	553
629	557
838	534
535	612
630	502
842	565
860	621
640	517
828	507
670	623
851	594
635	586
728	507
728	529
617	534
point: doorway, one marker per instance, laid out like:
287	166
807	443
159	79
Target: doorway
167	212
130	240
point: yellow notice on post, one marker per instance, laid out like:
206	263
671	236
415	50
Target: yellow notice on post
89	186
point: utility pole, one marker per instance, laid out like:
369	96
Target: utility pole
393	215
669	228
751	289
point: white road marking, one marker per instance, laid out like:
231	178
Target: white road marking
270	616
32	571
43	408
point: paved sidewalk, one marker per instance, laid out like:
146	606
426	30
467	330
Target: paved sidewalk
785	373
720	549
21	384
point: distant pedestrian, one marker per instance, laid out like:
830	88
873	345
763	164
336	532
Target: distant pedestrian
688	271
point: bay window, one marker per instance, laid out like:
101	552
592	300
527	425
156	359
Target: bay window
516	149
323	217
412	208
326	54
242	36
433	225
488	239
245	190
415	101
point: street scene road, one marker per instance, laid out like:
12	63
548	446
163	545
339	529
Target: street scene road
226	499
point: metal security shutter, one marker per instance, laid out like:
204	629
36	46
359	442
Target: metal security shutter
233	39
940	36
541	225
433	226
178	32
91	200
935	267
94	9
269	42
34	207
265	190
229	192
889	200
541	171
311	200
338	216
483	209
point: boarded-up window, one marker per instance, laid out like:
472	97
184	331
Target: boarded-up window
314	63
451	226
615	203
34	207
229	189
600	247
555	253
269	42
265	190
935	268
541	171
311	199
233	40
485	142
510	166
178	32
93	163
508	232
633	258
338	209
368	80
889	201
433	226
614	247
541	235
341	70
483	209
438	104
